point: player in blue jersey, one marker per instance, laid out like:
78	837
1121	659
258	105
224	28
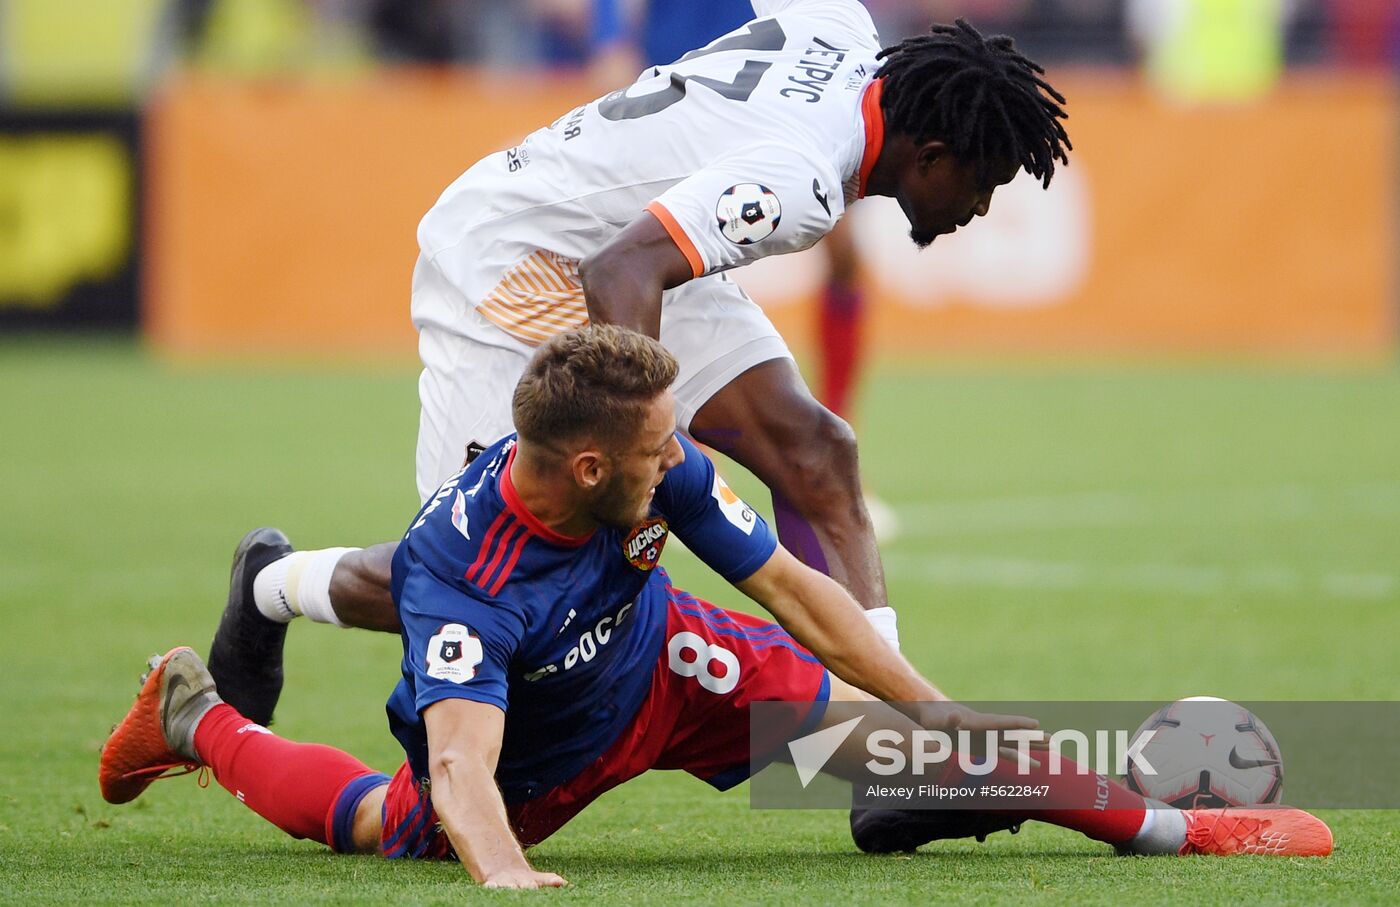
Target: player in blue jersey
547	658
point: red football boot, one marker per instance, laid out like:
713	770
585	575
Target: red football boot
1275	831
157	735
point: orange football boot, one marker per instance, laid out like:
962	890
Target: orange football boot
157	735
1274	831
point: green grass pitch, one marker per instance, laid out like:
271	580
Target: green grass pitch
1069	532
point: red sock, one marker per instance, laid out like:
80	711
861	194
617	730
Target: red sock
295	786
838	330
1116	813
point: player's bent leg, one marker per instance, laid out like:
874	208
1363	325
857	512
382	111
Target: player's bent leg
767	419
1123	816
245	657
270	585
307	790
359	589
899	830
1132	824
695	718
367	826
1135	825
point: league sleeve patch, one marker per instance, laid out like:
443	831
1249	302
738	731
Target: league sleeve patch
733	507
453	654
747	213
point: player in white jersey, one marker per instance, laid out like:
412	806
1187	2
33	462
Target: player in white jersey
629	210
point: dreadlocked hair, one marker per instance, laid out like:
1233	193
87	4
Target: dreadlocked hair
979	95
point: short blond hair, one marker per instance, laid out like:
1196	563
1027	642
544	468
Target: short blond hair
596	382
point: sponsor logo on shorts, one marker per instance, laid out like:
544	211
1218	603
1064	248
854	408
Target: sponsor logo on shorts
642	547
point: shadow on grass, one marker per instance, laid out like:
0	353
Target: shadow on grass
707	862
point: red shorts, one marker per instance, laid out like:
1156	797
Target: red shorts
695	718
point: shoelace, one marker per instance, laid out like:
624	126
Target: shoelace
160	772
1200	834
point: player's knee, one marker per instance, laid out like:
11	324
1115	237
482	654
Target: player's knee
367	830
821	455
359	589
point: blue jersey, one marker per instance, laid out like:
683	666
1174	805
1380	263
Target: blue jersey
562	633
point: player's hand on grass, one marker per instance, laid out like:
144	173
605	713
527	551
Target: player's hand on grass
523	878
951	717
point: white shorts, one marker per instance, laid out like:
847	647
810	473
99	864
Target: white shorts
714	330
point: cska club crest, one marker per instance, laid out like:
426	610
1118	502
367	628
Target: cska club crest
643	545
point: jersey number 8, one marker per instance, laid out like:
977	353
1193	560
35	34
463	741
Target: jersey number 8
697	665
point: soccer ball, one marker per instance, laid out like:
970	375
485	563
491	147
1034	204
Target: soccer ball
1208	753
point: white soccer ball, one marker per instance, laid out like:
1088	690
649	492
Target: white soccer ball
1208	753
748	213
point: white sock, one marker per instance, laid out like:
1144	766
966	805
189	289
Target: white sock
299	583
1163	831
270	588
884	620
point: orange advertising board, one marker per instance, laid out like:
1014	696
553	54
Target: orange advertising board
281	217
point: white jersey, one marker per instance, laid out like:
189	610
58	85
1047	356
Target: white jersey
751	146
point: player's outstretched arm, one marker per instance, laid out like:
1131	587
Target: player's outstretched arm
464	742
820	614
623	280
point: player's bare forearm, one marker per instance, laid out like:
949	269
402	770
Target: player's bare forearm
469	805
624	279
821	615
464	741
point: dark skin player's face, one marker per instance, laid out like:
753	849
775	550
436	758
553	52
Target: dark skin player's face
940	193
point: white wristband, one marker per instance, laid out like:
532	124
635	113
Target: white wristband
884	621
